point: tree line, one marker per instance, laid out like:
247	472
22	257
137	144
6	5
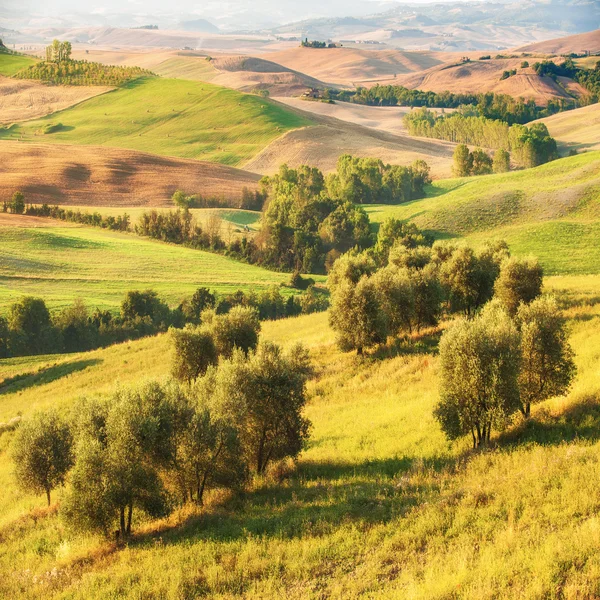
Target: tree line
506	350
309	219
29	328
148	449
490	105
59	68
529	146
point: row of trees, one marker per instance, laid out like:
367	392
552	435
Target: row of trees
249	200
404	284
151	448
489	105
30	329
529	146
95	219
58	52
81	72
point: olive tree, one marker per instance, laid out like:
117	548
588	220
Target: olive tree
356	315
264	397
479	389
123	446
239	328
520	280
42	452
193	352
547	367
208	454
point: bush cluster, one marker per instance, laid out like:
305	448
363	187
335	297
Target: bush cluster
405	284
148	449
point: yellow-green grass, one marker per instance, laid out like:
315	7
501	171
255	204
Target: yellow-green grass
552	211
12	63
172	117
196	68
380	505
62	263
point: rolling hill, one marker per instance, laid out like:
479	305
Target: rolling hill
485	76
99	266
170	117
351	66
343	128
552	211
577	129
581	42
22	100
97	176
377	487
11	63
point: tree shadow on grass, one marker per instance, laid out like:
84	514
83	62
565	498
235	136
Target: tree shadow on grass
46	375
319	497
580	421
425	343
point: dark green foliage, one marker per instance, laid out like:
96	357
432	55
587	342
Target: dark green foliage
29	320
144	305
237	329
122	447
119	223
489	105
501	163
463	161
42	452
356	314
200	301
17	203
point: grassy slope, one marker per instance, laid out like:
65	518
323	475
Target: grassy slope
61	263
551	211
170	117
380	505
11	63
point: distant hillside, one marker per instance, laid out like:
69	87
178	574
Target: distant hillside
583	42
93	176
486	76
576	129
352	66
199	25
170	117
552	212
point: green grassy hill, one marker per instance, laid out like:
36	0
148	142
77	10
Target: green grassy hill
171	117
552	211
379	506
11	63
62	263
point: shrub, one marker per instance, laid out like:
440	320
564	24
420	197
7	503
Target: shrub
42	452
